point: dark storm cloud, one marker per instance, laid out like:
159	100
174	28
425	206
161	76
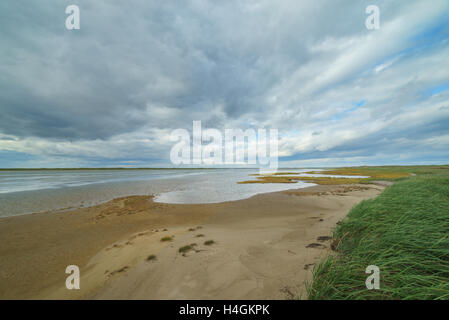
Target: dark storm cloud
137	69
84	84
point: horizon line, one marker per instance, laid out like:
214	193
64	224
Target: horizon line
211	168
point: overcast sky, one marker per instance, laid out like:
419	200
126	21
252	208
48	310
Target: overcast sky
110	93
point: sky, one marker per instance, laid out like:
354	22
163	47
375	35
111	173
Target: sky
111	93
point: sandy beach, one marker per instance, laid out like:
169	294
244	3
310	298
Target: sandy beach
264	247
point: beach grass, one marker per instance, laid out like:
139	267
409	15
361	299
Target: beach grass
404	231
185	249
165	239
151	257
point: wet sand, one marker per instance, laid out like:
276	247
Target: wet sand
264	247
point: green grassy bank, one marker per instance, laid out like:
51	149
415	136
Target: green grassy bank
404	231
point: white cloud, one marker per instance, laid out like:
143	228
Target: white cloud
116	90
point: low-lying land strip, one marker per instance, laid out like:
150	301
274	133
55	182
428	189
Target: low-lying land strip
372	173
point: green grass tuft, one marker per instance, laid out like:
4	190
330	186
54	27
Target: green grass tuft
404	231
185	249
151	257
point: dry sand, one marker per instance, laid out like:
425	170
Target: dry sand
265	247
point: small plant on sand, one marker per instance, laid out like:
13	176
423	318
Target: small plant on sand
151	257
164	239
209	242
185	249
199	235
192	229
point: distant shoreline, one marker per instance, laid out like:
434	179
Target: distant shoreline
443	166
119	168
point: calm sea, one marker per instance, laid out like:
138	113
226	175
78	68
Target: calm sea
23	192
